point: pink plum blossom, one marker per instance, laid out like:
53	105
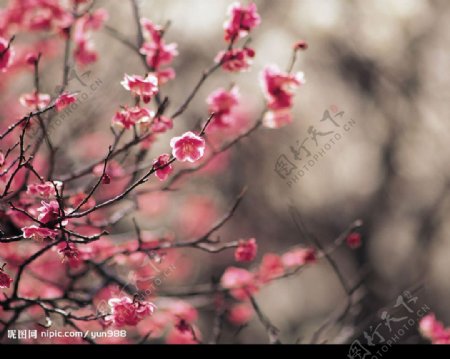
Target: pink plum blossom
49	211
242	20
246	250
44	190
240	281
236	60
162	173
145	87
125	311
222	102
5	279
188	147
38	233
279	89
64	100
34	100
434	330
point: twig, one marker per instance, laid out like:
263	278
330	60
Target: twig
272	330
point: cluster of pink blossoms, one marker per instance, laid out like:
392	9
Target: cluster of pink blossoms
38	101
144	87
48	15
242	283
34	100
144	118
45	16
157	52
222	103
5	279
242	19
84	51
279	89
48	212
236	60
69	253
38	233
434	330
175	317
37	15
178	317
125	311
271	267
278	86
45	190
188	147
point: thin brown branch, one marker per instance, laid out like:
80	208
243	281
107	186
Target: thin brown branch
271	330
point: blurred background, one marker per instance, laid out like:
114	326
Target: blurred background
384	64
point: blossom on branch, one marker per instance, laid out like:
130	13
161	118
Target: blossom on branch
240	281
279	90
84	52
162	169
301	45
38	233
270	268
298	257
83	248
235	60
222	103
240	314
64	100
127	117
34	100
188	147
161	124
44	190
93	20
144	87
434	330
246	250
157	52
69	253
5	279
49	211
242	20
125	311
183	333
113	170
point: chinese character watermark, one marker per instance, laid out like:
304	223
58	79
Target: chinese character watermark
384	333
307	151
89	86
